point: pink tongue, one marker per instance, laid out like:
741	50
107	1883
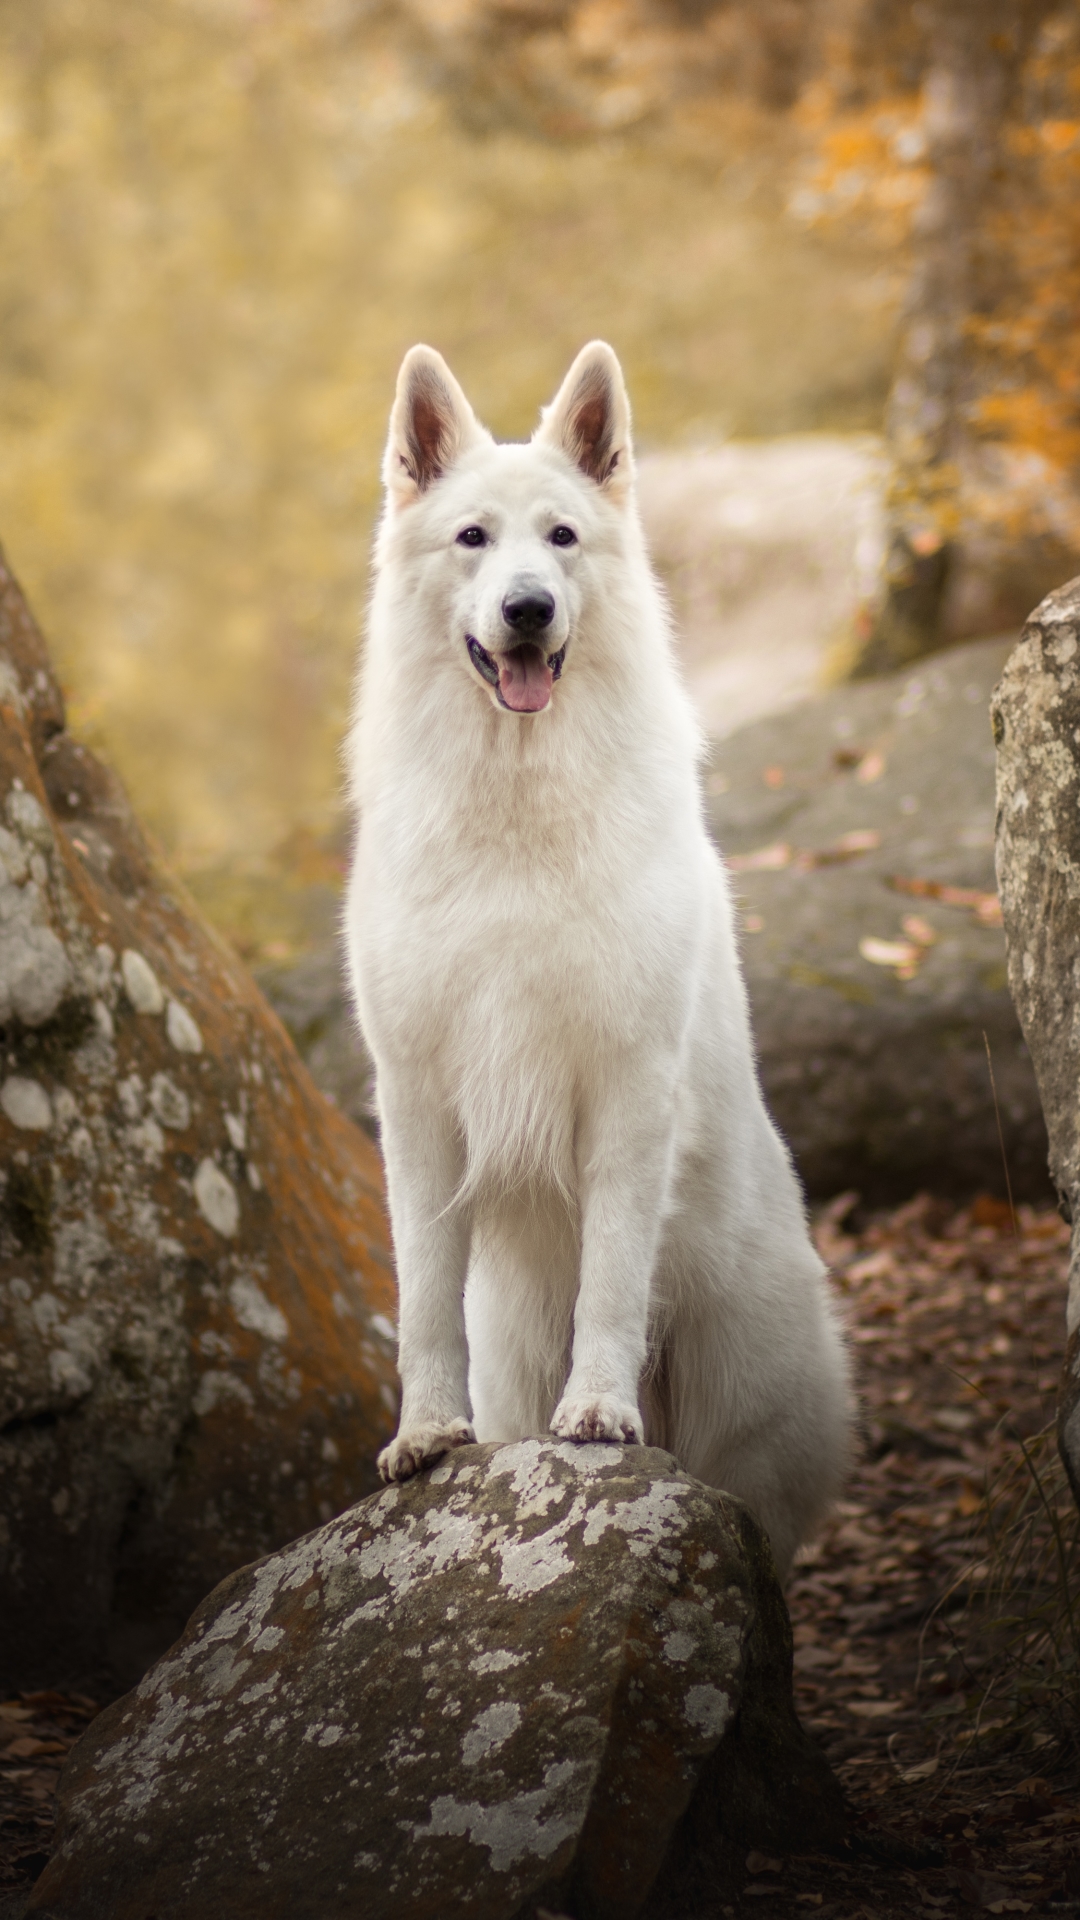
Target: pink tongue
525	680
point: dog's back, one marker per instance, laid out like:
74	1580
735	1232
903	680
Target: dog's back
545	967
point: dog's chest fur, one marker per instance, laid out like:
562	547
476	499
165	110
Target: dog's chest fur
526	920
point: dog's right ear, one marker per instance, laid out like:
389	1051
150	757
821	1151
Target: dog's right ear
431	424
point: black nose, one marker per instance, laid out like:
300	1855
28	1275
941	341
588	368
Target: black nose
528	612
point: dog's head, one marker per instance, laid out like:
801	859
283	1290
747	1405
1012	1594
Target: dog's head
504	541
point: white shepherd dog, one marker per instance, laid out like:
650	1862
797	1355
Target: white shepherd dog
598	1231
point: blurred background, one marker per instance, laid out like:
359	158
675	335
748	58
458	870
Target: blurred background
835	242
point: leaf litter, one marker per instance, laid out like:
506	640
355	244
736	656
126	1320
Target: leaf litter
931	1662
37	1732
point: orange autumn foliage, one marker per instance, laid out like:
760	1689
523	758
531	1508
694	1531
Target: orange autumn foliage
866	163
867	166
1030	341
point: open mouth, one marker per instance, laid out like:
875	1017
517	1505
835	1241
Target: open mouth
523	678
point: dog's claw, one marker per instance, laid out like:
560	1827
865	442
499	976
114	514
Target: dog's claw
411	1452
598	1418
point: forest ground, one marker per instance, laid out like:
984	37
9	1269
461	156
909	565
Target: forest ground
957	1323
961	1799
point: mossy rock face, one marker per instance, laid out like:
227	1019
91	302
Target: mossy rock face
877	1073
195	1285
540	1676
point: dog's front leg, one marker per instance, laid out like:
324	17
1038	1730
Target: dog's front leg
431	1246
623	1185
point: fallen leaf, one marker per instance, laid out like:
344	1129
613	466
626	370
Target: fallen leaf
919	930
41	1788
48	1697
954	1419
902	954
870	768
968	1734
847	847
764	860
763	1863
872	1267
988	1211
809	1658
922	1771
985	906
874	1709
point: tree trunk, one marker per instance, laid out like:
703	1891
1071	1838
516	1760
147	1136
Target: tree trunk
976	52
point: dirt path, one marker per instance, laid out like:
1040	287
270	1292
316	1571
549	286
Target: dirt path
957	1326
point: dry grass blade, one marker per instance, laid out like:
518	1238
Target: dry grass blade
1021	1622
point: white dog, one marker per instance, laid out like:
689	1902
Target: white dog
597	1229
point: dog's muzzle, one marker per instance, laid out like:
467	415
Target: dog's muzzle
522	677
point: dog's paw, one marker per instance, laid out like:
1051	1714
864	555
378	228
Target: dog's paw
421	1447
597	1417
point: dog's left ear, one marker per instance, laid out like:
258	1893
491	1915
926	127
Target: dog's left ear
431	424
589	419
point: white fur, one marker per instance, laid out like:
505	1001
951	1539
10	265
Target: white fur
592	1211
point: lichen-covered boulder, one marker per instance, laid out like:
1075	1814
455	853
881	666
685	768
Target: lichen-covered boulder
524	1679
195	1350
1036	714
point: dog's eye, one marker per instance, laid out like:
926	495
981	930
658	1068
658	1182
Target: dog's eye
563	537
472	537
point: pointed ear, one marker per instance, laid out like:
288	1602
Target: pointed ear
431	424
589	419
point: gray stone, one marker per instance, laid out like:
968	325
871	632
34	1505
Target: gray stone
1037	728
880	1081
535	1677
196	1342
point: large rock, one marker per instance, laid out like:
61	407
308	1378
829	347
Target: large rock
1037	729
870	1032
195	1286
535	1677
